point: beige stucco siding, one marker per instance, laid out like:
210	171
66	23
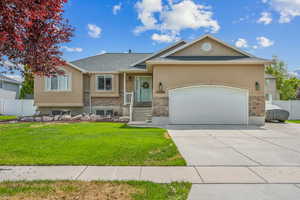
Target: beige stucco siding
218	49
228	75
74	97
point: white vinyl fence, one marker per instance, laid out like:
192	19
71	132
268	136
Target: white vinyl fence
17	107
293	107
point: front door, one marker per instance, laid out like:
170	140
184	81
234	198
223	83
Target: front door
143	89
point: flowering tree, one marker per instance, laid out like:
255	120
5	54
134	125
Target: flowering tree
30	34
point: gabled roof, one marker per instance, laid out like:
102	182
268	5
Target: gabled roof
203	37
156	54
109	62
10	80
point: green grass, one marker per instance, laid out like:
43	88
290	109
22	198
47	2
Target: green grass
135	190
4	117
294	121
85	144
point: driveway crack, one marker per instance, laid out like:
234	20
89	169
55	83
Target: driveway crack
239	152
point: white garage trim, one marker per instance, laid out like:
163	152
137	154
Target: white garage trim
179	100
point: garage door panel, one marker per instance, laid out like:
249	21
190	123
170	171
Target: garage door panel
208	105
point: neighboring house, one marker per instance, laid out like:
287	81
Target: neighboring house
205	81
9	88
271	92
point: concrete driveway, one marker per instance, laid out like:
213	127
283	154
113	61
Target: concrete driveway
232	159
273	145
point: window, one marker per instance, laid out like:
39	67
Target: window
105	113
267	82
104	82
61	112
1	84
58	82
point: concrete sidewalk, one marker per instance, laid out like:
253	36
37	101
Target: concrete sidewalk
195	175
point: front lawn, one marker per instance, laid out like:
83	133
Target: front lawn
294	121
5	118
85	143
70	190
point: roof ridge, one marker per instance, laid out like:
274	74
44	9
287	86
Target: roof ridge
104	54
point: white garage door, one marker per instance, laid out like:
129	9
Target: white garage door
208	105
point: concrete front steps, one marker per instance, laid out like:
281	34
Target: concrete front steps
140	114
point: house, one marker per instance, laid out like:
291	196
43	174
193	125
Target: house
271	92
9	88
205	81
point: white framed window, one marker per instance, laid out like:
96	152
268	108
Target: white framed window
58	82
104	82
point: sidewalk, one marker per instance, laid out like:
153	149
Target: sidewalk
195	175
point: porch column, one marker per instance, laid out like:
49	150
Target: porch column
124	89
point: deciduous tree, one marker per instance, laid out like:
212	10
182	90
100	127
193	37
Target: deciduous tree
31	32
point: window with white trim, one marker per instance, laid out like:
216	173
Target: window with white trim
104	82
58	82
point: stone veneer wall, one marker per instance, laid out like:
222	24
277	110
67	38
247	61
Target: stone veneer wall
160	106
114	103
256	106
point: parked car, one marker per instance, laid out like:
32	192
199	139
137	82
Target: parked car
276	113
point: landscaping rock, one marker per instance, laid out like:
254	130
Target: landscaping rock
26	119
56	118
47	118
66	117
77	117
124	118
38	119
85	118
94	117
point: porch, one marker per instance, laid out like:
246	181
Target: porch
137	95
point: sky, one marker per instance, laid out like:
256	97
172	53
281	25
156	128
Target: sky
262	27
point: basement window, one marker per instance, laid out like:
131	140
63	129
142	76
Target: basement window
104	113
61	112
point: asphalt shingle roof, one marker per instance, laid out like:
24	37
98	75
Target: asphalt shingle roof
109	62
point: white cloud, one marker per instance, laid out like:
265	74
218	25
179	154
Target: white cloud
241	43
287	9
146	10
94	31
116	8
264	42
192	16
173	17
72	49
265	18
164	38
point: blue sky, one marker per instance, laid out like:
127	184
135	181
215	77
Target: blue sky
261	27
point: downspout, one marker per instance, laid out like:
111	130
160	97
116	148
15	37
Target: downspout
90	95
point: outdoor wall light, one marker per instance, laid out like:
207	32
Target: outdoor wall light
160	87
257	85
